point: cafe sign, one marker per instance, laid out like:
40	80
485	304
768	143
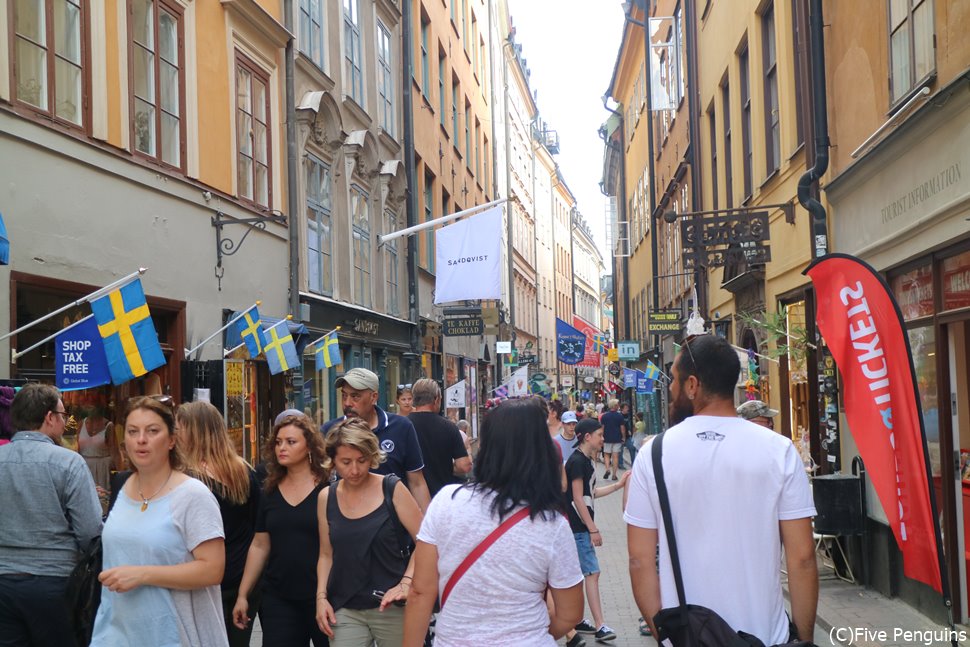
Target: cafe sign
463	326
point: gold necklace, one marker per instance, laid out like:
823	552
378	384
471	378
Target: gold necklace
144	501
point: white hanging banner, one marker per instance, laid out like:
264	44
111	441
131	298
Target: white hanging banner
455	396
468	258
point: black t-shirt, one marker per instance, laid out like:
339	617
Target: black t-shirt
612	421
441	444
294	537
578	466
239	521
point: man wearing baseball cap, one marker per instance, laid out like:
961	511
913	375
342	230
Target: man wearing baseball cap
359	390
566	439
758	412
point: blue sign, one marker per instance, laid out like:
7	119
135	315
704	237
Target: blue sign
79	358
644	383
629	378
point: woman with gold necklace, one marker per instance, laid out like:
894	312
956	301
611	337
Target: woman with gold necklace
163	545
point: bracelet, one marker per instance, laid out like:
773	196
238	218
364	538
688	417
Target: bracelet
594	532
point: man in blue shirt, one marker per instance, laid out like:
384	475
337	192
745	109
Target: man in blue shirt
51	512
398	440
614	432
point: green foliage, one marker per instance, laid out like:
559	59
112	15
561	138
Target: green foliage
790	341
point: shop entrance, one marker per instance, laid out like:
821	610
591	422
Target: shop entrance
958	369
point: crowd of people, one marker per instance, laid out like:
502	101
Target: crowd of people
383	529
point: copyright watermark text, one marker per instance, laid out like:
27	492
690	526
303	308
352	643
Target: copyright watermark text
863	635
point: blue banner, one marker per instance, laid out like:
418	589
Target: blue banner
629	378
570	343
79	359
644	383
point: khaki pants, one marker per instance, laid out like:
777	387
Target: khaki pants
360	628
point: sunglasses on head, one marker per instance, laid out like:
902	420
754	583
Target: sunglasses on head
403	386
160	398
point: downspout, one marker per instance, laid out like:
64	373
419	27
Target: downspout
621	211
292	201
808	191
409	170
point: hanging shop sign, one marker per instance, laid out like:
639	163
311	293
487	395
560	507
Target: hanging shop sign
664	321
714	241
629	351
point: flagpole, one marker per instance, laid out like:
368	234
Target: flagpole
15	354
381	240
94	295
314	342
231	321
233	349
770	359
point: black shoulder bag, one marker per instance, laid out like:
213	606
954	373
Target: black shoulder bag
691	625
404	544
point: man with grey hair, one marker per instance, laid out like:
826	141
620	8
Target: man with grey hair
359	390
51	514
444	451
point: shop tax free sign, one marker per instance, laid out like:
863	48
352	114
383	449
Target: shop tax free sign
80	361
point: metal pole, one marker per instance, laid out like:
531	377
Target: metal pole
231	321
407	62
409	231
506	46
292	199
14	355
91	297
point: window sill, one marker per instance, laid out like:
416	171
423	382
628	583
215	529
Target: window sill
798	149
444	132
771	176
390	141
358	110
427	103
926	81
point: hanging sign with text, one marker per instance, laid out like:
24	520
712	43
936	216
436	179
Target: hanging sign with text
663	321
80	361
463	326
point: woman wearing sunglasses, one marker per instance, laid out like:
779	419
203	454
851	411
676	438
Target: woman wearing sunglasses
364	570
164	551
404	399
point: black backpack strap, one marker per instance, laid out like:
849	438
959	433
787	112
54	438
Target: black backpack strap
118	480
658	474
403	544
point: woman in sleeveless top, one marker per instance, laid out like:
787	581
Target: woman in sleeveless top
287	537
94	443
364	570
210	457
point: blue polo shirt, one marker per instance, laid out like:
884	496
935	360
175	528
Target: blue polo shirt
398	441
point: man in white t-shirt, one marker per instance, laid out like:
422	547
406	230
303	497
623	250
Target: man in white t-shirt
738	493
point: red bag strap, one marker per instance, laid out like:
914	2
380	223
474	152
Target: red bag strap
480	549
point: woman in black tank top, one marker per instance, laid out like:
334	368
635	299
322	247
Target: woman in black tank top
365	566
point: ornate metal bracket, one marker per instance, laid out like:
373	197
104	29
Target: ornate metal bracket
228	247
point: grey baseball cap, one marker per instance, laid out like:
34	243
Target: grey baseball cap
756	409
360	379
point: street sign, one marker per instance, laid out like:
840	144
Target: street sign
663	321
612	354
539	377
527	358
463	326
503	347
628	351
566	380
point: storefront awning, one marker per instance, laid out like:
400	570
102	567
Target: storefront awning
4	244
301	336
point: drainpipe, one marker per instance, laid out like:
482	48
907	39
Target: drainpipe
293	205
621	211
808	191
407	63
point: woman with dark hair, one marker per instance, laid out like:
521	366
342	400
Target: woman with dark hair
404	399
517	480
164	552
287	538
210	457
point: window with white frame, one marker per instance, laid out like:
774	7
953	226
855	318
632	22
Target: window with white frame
391	268
385	80
312	30
157	77
319	205
253	153
360	215
911	44
48	57
353	73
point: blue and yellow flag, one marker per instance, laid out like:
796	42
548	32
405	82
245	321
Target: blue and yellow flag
599	344
652	371
280	350
250	330
130	340
328	352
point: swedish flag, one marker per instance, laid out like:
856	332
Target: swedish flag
280	349
652	371
328	352
599	343
130	340
250	330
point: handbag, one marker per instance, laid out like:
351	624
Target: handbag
692	625
83	591
404	543
480	549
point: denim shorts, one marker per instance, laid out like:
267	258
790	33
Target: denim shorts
587	554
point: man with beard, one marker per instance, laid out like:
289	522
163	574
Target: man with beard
738	494
398	440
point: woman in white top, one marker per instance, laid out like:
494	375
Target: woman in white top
516	466
95	442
